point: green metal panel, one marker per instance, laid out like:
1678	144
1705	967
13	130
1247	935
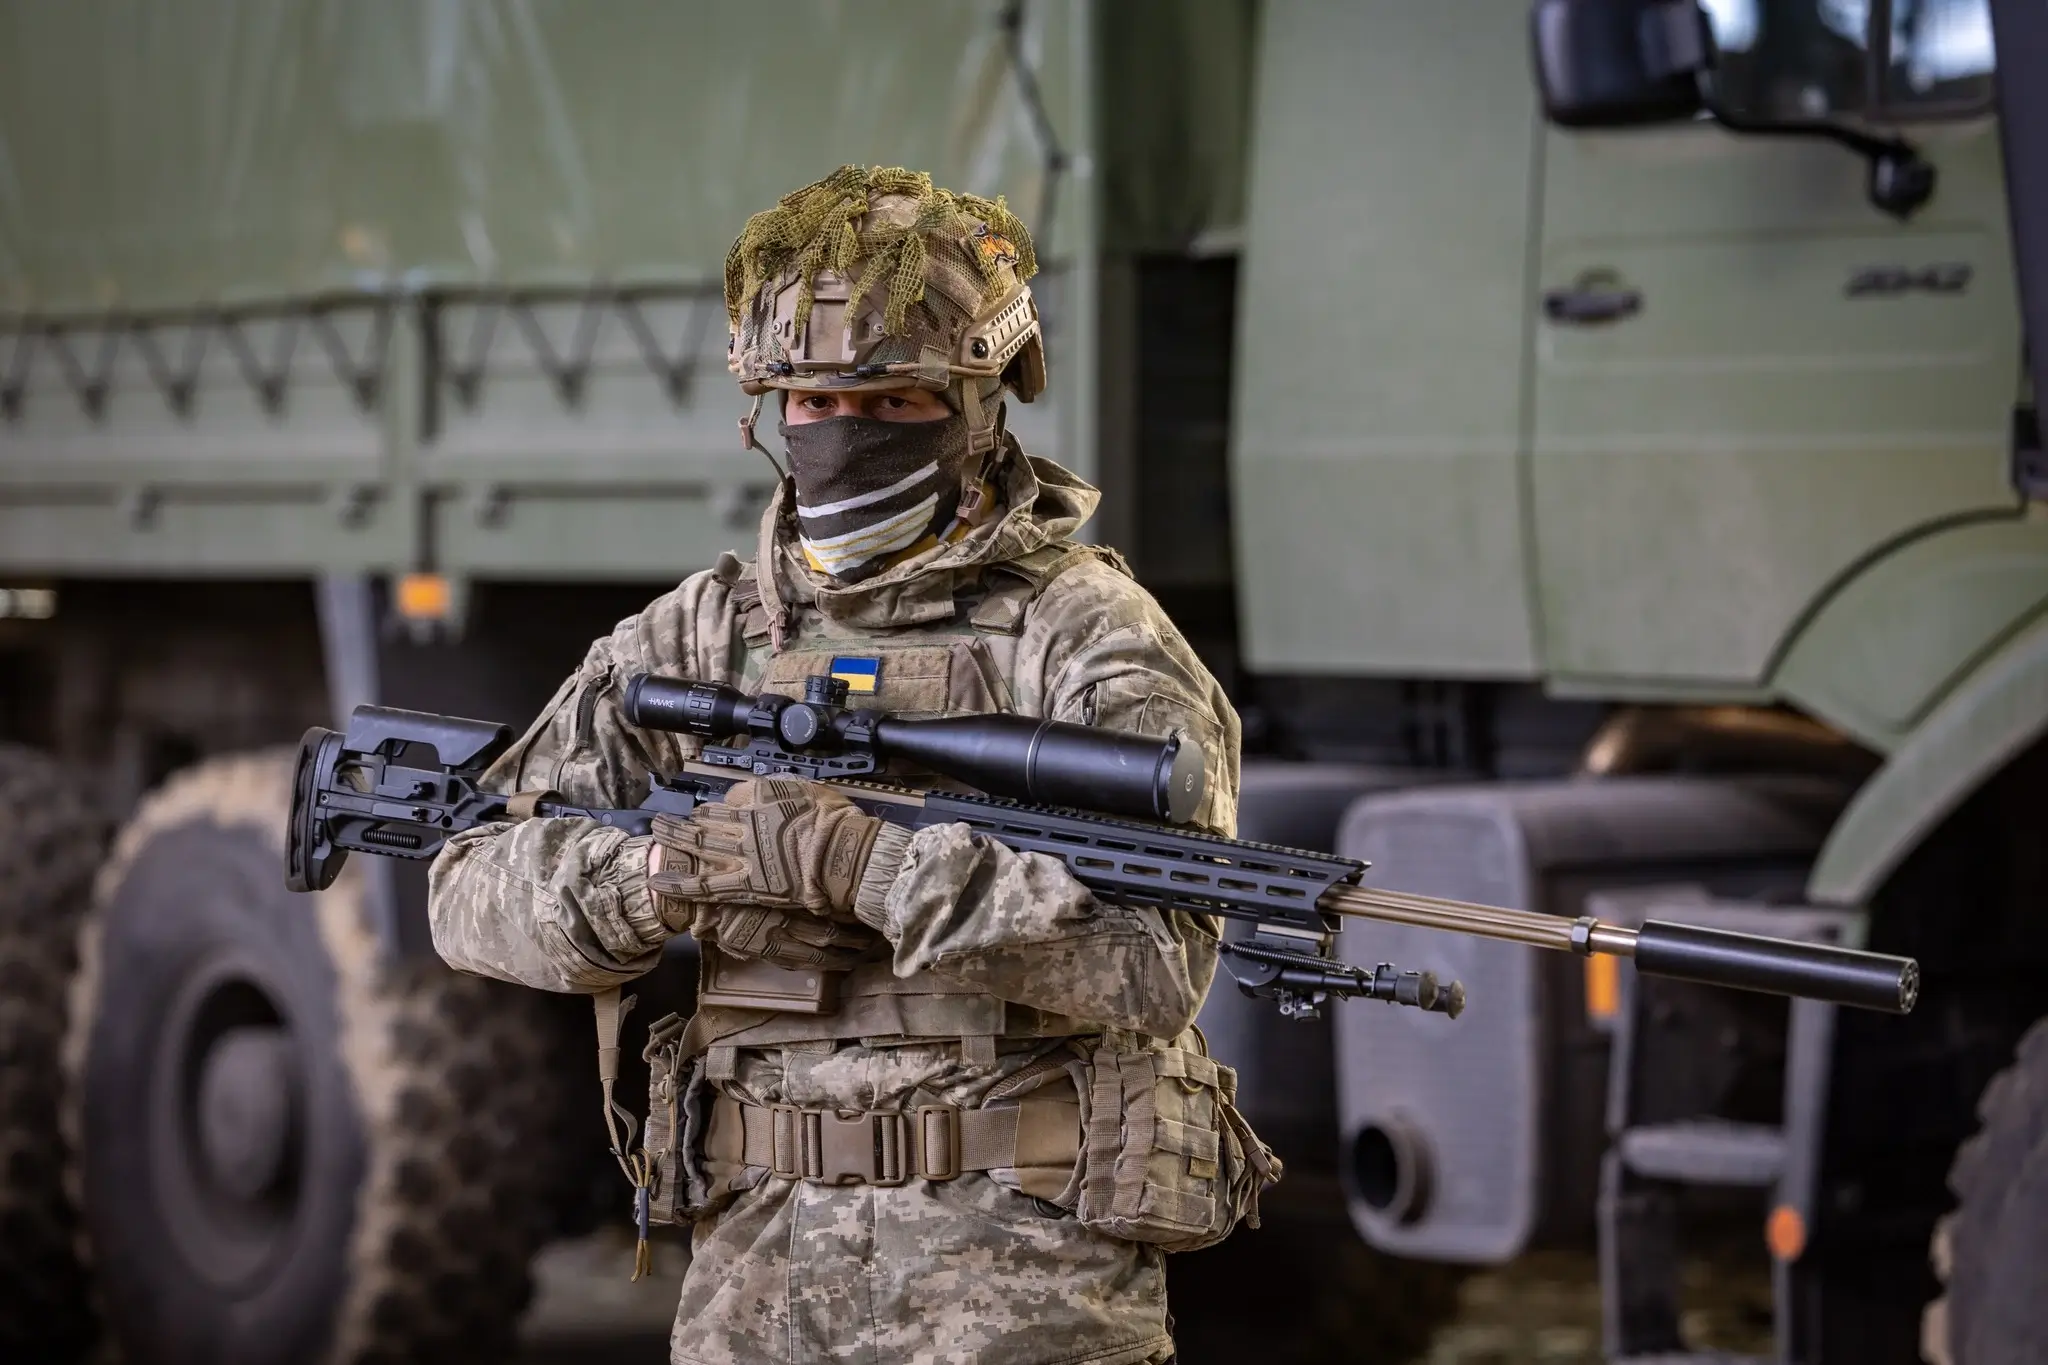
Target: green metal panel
2000	709
1378	405
101	471
1705	470
499	444
627	481
1883	649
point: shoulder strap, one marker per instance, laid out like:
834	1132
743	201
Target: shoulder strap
1002	608
746	599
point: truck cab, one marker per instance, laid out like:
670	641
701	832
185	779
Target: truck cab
1667	359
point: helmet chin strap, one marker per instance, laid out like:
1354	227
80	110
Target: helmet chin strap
749	441
985	429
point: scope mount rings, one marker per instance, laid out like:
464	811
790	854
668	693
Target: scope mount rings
764	758
820	721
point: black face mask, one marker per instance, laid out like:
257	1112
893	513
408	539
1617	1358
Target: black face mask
866	489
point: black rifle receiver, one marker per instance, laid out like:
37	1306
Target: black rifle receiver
401	783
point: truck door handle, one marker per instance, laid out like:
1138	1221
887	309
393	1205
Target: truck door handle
1590	303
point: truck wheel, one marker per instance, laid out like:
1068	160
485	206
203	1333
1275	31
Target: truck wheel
1992	1252
283	1153
51	840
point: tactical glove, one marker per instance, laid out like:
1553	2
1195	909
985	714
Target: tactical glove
786	938
775	843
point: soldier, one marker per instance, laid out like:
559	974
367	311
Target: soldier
907	1044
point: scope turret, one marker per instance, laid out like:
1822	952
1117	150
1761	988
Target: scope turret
1022	757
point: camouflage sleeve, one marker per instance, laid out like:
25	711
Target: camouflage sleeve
1018	925
562	904
558	904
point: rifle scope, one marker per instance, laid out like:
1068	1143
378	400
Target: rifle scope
1045	761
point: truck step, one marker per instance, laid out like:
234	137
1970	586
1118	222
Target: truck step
1705	1152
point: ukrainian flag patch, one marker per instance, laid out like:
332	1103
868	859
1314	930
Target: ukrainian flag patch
859	675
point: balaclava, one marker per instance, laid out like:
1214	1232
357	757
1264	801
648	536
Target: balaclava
869	491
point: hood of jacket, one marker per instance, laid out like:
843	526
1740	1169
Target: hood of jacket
1042	503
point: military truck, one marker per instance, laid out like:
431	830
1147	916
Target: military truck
1668	357
1584	517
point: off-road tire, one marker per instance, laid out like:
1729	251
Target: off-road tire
392	1214
465	1172
1992	1252
51	840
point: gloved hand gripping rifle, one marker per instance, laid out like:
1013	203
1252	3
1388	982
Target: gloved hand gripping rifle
1103	802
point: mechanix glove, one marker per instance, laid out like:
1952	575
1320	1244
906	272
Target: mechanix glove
795	939
774	843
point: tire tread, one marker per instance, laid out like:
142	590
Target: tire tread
439	1258
1964	1325
51	841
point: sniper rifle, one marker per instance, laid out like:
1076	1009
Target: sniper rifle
1105	803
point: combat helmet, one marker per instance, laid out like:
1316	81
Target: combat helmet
875	279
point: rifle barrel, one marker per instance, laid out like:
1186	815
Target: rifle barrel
1719	957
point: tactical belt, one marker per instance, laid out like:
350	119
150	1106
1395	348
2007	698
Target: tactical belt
883	1147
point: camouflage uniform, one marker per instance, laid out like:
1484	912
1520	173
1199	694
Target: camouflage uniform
992	958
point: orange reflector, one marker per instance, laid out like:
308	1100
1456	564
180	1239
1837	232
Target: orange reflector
423	597
1785	1233
1603	988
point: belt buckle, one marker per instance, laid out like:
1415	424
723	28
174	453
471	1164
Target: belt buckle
859	1147
937	1131
788	1129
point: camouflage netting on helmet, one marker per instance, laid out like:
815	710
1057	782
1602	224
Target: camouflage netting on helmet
833	225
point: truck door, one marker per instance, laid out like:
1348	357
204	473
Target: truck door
1747	378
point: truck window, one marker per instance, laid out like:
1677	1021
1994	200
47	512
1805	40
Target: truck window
1940	58
1807	59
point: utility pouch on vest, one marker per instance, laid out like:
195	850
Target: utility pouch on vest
678	1109
1165	1155
751	984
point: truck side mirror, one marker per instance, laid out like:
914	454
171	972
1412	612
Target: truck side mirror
1616	63
1620	63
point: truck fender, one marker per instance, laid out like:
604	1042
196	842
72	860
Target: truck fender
1991	715
1882	651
